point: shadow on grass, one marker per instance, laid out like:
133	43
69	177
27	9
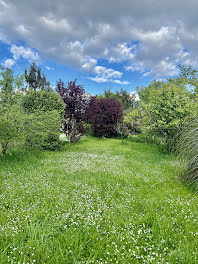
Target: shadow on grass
20	156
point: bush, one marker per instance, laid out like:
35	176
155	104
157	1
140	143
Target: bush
188	149
43	130
43	100
104	115
11	127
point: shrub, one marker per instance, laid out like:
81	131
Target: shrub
104	114
43	130
11	127
43	100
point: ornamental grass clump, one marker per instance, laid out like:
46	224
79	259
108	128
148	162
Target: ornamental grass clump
188	149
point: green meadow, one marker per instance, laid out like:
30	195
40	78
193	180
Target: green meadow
97	201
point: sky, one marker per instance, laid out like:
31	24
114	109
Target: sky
103	44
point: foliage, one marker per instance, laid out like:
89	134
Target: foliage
76	102
71	130
122	130
145	93
134	118
188	150
43	130
43	100
35	79
11	116
127	100
104	114
167	110
7	86
188	78
11	127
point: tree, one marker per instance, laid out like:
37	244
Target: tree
133	119
11	116
35	79
76	101
126	99
145	93
104	114
167	110
7	86
188	78
122	130
122	96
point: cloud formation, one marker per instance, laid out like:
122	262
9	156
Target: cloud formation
26	53
151	37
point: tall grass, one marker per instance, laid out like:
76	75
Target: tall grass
188	151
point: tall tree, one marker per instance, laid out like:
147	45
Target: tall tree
122	96
35	79
76	102
6	86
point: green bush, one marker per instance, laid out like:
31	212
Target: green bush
11	127
43	100
43	130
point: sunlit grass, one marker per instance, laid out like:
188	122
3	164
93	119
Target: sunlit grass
98	201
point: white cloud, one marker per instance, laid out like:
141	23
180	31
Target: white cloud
120	82
89	65
9	63
104	74
98	79
49	68
26	53
107	73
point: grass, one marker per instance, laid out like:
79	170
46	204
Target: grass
98	201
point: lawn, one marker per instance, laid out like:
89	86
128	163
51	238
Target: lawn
97	201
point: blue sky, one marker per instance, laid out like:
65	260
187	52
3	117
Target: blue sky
103	44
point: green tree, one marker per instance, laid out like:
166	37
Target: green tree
146	92
122	96
35	79
167	110
6	86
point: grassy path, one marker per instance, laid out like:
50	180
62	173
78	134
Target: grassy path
98	201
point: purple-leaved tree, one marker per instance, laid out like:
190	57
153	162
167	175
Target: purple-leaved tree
76	102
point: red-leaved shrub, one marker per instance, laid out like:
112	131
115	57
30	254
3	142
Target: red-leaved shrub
104	114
